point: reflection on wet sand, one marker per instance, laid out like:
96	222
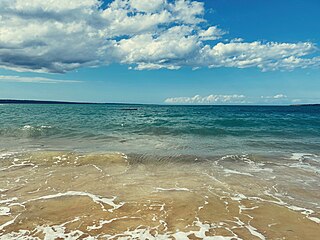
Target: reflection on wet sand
59	195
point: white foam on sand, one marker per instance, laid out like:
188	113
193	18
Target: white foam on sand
159	189
7	154
278	201
97	199
49	232
253	167
253	231
301	161
59	231
4	211
229	171
9	222
238	197
21	235
8	200
304	211
103	222
24	164
145	234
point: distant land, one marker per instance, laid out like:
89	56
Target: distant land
306	105
14	101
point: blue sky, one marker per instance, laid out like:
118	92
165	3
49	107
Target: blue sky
257	52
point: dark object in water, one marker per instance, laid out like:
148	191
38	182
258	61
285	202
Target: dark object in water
129	109
306	105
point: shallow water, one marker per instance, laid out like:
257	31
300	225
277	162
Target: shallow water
173	177
112	196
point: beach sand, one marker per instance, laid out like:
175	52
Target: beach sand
63	195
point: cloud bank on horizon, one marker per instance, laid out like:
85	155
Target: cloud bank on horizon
63	35
230	99
211	99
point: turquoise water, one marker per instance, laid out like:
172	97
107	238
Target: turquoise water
162	130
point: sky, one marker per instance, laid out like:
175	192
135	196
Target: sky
161	51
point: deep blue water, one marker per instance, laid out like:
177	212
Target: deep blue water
168	130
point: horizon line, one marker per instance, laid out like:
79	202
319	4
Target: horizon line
33	101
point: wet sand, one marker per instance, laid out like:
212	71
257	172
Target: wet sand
61	195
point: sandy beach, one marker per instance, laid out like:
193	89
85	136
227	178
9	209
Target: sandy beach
63	195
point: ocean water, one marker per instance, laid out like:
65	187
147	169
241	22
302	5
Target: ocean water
164	130
159	172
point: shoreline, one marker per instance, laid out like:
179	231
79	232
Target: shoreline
228	173
111	195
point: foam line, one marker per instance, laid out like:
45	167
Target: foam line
95	198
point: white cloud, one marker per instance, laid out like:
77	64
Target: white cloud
147	5
269	56
277	96
232	99
211	99
63	35
149	51
212	33
8	78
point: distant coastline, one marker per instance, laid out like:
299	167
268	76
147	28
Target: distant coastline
15	101
306	105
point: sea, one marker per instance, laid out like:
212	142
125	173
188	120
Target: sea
117	171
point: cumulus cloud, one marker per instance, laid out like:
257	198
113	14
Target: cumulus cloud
280	96
211	99
7	78
212	33
277	96
63	35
